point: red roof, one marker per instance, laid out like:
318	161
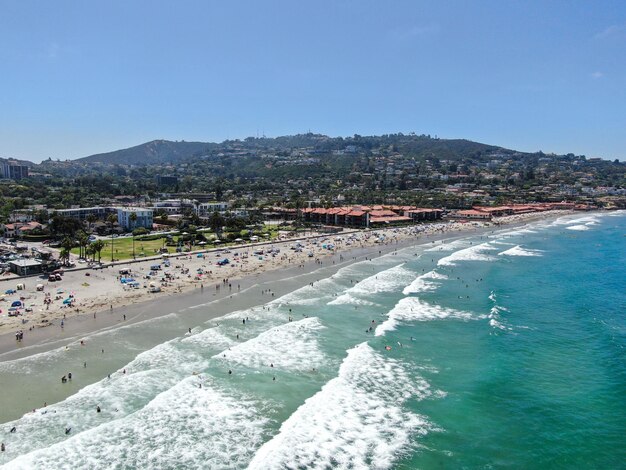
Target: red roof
397	218
356	213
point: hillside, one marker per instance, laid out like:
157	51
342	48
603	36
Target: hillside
157	151
164	151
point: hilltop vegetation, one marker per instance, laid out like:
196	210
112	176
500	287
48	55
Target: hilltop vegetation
290	170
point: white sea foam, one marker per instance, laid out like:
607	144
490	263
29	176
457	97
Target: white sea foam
450	246
619	213
349	299
414	309
389	280
290	346
355	421
519	251
185	427
214	338
495	320
577	220
578	228
310	295
151	373
515	233
423	283
473	253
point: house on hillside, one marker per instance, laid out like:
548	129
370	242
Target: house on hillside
19	229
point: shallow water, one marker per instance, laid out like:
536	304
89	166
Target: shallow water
501	350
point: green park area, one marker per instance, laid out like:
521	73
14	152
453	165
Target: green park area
122	248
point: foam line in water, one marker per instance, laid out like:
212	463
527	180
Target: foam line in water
118	397
184	427
210	338
290	346
473	253
576	221
519	251
578	228
349	299
423	283
495	320
356	420
388	280
449	246
414	309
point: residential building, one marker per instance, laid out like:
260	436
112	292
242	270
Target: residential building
81	213
162	180
205	209
13	170
144	218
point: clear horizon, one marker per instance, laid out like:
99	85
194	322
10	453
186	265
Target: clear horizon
81	79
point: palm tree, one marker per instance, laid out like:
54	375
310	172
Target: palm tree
89	251
83	241
66	247
111	219
97	247
133	218
91	218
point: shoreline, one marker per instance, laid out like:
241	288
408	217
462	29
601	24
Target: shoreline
96	318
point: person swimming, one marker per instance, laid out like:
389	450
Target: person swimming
68	430
13	429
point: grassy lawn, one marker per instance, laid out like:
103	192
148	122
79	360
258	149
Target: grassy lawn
123	247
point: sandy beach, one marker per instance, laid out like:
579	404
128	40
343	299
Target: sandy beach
97	298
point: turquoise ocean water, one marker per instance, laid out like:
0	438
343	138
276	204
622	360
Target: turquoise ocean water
505	350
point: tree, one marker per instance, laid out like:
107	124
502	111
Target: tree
216	222
91	218
112	219
133	218
83	241
89	251
97	247
61	226
66	246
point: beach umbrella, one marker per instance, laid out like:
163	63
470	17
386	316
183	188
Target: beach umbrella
16	303
67	301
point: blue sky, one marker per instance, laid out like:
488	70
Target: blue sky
82	77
